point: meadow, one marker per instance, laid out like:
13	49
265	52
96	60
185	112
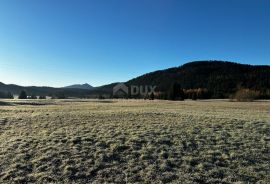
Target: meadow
134	141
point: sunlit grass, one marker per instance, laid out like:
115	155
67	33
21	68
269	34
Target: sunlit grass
54	141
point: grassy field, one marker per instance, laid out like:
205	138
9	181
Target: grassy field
69	141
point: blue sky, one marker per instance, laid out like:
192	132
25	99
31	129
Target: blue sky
62	42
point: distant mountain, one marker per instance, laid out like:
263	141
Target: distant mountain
220	78
49	91
80	86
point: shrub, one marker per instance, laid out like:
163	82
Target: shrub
246	95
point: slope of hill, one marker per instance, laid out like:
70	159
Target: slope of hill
219	77
80	86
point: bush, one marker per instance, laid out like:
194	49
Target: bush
246	95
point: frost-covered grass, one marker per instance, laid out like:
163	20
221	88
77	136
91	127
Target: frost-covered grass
54	141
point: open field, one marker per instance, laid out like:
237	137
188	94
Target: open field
69	141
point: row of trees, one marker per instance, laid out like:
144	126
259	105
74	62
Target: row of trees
6	95
178	93
23	95
175	92
246	95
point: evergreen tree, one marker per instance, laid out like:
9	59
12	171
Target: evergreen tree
194	96
42	97
10	95
152	96
23	95
100	97
181	94
176	92
60	95
6	95
2	95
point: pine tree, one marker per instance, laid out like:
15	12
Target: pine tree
10	95
23	95
100	97
176	92
152	96
42	97
194	96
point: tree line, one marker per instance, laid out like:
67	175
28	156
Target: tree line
23	95
177	93
208	79
7	95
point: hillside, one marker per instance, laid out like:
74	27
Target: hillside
219	77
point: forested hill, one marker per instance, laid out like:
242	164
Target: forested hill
219	77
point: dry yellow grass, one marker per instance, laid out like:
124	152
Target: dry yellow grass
134	141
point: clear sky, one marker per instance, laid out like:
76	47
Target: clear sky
62	42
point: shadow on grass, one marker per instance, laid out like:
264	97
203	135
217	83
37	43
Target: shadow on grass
5	104
90	101
32	103
104	101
